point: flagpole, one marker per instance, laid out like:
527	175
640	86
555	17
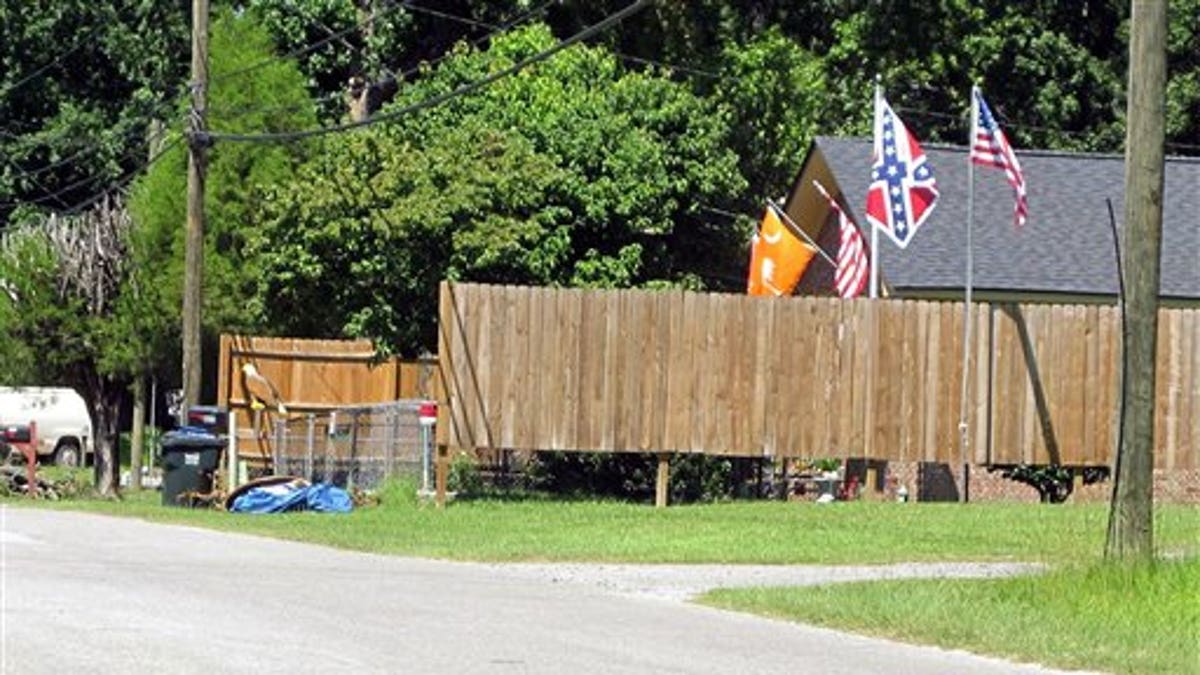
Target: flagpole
964	407
874	285
807	239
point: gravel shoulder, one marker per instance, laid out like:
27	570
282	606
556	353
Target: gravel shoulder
685	582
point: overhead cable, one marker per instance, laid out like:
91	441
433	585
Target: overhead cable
467	88
390	76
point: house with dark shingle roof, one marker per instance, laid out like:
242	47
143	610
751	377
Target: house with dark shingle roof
1064	253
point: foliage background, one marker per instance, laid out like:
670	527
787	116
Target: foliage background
641	159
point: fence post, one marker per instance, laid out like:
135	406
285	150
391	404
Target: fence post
441	478
664	475
352	464
277	450
309	445
389	439
329	445
231	453
426	419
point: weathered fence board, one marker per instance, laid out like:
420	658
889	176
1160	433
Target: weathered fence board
633	371
313	376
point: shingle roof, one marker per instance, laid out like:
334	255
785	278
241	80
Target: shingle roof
1065	247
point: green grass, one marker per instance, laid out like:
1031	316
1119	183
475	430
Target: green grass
737	532
1142	619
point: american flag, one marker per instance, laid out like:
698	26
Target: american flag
903	189
853	267
989	147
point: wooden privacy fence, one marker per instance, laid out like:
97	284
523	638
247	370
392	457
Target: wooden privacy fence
312	376
669	371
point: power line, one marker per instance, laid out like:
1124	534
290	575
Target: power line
493	29
54	196
672	66
83	150
392	77
89	38
358	26
124	179
499	28
584	34
1008	123
300	51
137	126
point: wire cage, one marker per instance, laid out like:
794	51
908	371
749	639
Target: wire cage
354	446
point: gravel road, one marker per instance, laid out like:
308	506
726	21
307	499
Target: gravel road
83	593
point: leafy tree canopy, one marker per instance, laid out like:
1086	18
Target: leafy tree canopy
80	82
266	94
572	172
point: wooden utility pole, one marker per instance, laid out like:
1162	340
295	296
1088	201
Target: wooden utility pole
1130	527
193	272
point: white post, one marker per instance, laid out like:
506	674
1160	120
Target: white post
874	257
427	417
310	445
964	409
154	444
231	452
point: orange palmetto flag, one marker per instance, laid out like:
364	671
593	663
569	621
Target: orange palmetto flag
778	257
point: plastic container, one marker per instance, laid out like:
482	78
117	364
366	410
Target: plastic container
190	457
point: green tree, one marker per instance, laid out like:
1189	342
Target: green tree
1042	68
80	84
266	94
61	278
1183	78
572	172
773	93
376	40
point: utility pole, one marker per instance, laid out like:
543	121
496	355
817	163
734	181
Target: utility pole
193	272
1130	527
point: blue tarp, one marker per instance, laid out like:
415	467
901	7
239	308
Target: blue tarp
294	496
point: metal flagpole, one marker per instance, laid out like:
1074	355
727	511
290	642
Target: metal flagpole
783	214
874	285
964	408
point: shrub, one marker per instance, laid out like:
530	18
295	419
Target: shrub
464	478
632	476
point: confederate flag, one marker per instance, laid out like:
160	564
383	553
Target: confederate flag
903	189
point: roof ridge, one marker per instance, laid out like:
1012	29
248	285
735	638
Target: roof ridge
1033	152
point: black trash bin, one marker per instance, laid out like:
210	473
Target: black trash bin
189	459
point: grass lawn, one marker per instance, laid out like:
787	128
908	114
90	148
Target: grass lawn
736	532
1121	619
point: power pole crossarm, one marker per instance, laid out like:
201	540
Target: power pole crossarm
198	141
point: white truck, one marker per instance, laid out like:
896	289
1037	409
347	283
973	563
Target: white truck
64	427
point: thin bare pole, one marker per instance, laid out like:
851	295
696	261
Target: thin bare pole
875	252
964	427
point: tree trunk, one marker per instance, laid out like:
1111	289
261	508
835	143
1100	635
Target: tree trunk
105	402
1130	527
361	87
137	442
